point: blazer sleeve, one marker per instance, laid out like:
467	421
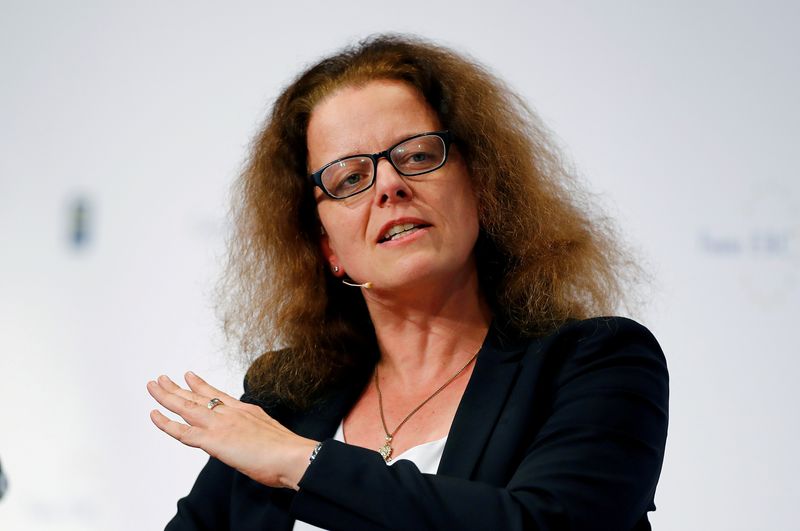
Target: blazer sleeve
207	506
592	465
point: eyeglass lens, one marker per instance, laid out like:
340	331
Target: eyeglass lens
415	156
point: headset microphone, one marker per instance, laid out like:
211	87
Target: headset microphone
365	285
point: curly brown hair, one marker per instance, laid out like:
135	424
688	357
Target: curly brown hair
543	256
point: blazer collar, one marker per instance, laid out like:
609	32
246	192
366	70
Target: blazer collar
486	393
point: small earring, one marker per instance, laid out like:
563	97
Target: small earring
335	269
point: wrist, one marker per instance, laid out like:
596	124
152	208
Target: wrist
298	463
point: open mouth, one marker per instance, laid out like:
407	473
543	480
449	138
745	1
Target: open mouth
400	231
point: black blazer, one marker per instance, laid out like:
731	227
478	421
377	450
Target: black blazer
565	431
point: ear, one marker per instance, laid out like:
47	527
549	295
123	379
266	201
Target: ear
329	254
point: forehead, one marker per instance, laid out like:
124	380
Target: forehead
366	119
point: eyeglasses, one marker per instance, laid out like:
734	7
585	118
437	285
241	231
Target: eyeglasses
419	154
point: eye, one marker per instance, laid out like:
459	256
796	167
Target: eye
351	180
348	176
348	184
416	159
419	154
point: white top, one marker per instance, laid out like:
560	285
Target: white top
426	456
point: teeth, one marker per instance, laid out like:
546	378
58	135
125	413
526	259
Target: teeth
397	229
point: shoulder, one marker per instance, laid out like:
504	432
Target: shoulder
597	327
601	347
595	336
262	394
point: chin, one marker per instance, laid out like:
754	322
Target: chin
421	274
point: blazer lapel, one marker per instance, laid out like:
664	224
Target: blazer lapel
486	393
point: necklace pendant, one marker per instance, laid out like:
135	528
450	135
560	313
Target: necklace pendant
386	449
386	452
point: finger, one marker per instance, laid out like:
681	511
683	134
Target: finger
166	383
176	430
201	387
189	410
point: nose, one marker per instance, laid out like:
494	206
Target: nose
390	186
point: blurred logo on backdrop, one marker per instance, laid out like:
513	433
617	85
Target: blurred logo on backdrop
79	222
3	482
761	240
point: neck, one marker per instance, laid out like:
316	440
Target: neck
431	332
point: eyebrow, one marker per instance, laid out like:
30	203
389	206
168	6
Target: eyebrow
354	151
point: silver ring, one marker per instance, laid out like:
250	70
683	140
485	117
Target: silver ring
214	402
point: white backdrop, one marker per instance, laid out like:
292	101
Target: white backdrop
682	117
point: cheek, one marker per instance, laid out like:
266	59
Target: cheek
343	226
467	203
472	222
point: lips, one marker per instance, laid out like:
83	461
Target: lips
398	229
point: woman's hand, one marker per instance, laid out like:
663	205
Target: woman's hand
240	435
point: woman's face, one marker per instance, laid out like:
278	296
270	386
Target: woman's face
440	205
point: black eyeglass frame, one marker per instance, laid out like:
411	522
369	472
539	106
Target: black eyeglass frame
445	136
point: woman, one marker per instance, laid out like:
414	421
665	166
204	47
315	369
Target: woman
408	235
